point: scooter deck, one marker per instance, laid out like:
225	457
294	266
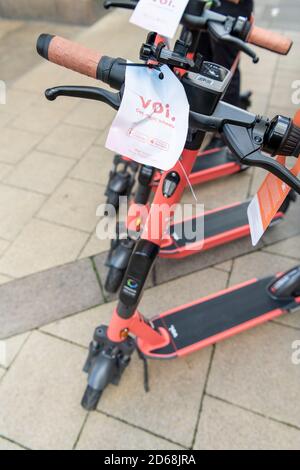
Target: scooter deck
215	318
221	226
212	164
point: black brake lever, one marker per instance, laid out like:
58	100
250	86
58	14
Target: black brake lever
129	5
246	144
273	166
90	93
219	32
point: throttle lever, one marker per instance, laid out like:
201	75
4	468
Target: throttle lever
221	32
90	93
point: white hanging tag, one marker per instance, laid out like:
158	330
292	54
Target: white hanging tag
151	125
161	16
188	181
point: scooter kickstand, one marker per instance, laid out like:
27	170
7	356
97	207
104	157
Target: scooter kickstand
146	371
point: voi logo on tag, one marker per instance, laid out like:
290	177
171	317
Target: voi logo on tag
157	108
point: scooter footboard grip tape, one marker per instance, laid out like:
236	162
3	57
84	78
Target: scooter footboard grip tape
270	40
69	54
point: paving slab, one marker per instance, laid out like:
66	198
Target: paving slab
258	264
226	266
41	245
40	172
94	166
282	96
91	114
290	247
255	370
284	78
289	228
94	246
12	348
74	204
18	101
79	328
102	137
260	102
68	141
41	405
5	118
15	144
227	427
45	297
4	170
16	210
105	433
3	245
41	118
8	445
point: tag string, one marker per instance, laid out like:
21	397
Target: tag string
188	181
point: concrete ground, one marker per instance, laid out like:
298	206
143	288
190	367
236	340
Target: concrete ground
241	394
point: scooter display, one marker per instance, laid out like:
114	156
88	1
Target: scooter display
190	327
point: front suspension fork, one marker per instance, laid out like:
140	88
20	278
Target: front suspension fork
126	319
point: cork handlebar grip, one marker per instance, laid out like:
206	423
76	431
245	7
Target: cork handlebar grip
269	40
69	54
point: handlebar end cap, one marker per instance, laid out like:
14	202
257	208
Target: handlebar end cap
42	45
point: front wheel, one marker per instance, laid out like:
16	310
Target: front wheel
114	280
113	199
91	399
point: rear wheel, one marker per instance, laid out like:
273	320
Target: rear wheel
113	199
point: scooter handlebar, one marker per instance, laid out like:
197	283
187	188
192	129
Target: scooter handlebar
269	40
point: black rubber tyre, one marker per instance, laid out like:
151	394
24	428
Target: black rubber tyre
113	199
91	398
114	280
292	197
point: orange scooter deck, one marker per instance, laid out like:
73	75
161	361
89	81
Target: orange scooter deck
212	319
